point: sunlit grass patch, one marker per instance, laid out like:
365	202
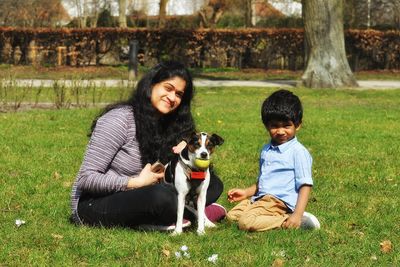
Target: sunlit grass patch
351	135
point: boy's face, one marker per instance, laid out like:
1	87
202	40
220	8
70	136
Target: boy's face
281	131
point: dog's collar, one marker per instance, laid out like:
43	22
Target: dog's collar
198	175
191	173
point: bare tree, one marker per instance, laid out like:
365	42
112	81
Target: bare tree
48	13
81	12
327	65
95	8
13	13
88	11
248	9
211	12
32	13
396	5
122	13
163	13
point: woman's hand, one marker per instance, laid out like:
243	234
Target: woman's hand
146	177
179	147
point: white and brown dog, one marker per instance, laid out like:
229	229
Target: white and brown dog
190	174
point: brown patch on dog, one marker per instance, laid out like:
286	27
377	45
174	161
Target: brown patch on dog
195	142
210	147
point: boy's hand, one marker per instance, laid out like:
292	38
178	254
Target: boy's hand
236	195
293	221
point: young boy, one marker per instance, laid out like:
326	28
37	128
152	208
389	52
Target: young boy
280	197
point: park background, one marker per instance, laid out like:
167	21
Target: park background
350	131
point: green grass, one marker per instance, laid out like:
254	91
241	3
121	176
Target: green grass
121	72
60	95
63	72
352	135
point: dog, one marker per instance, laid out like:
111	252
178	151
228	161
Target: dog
190	174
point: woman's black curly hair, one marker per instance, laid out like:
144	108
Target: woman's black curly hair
158	134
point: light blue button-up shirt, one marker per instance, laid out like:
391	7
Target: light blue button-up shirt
283	170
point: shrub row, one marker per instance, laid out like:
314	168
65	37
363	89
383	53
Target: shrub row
247	48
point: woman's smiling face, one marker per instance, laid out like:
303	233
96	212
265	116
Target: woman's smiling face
166	96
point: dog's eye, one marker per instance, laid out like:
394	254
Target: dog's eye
194	142
209	145
193	146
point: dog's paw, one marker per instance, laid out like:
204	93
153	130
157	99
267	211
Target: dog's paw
200	232
209	224
176	233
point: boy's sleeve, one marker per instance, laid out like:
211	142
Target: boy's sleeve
302	168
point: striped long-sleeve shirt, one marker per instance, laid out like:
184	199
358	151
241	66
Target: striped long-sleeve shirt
112	157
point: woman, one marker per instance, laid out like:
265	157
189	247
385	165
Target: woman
115	184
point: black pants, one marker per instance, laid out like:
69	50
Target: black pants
154	204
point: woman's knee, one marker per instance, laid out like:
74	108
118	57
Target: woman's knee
164	197
215	188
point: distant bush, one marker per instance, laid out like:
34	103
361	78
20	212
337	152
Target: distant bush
281	22
105	19
231	21
172	22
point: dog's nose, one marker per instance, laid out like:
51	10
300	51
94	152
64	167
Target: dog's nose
203	155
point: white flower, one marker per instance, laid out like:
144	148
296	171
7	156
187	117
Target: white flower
184	248
178	255
281	253
213	258
19	222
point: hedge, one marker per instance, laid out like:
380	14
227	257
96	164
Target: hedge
247	48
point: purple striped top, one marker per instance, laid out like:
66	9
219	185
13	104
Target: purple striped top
112	157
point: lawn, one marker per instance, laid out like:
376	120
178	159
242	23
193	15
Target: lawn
352	136
121	72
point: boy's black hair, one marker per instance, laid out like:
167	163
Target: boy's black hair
282	105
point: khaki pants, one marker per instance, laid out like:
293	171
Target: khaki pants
264	214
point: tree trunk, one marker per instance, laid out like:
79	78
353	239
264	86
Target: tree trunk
122	14
83	6
203	19
211	12
327	65
248	17
163	13
95	13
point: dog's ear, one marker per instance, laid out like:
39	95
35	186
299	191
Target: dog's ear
185	153
191	138
216	140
